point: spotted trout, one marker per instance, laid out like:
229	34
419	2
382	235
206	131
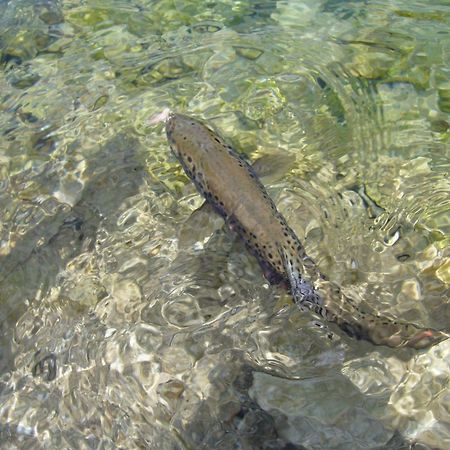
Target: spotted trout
231	186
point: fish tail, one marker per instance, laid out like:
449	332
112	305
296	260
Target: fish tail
371	327
327	299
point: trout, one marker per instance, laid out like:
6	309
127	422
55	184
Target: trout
230	185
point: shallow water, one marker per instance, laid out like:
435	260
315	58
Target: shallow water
131	320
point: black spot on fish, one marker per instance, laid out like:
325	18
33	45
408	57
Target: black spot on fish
189	159
321	82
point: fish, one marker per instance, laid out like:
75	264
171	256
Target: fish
232	188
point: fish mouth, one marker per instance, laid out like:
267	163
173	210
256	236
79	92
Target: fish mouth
164	116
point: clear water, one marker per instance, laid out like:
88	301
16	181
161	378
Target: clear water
130	321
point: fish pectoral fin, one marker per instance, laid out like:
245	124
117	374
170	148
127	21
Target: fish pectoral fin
204	208
272	167
200	226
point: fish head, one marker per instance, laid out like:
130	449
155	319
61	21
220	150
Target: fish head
189	138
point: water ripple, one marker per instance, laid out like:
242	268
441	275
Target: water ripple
130	316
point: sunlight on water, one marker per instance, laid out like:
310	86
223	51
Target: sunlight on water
131	318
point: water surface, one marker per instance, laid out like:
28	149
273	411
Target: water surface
131	320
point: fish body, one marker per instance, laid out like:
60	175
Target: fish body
230	185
